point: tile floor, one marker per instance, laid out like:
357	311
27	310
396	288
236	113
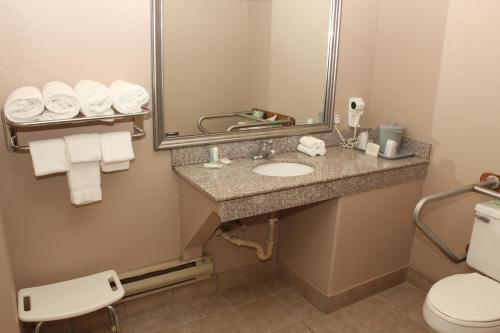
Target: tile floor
271	306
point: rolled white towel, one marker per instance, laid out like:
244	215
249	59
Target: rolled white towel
311	151
94	97
312	142
127	97
61	100
24	104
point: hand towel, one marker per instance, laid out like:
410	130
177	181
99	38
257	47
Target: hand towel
128	98
312	142
94	97
84	175
24	104
48	156
84	181
61	100
311	151
83	148
116	151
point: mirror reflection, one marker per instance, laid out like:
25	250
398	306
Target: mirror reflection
244	65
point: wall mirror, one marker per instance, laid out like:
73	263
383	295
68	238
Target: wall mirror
230	70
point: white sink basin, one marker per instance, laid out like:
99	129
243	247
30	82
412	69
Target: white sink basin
283	169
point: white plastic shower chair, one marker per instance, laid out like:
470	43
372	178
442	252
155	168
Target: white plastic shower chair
70	299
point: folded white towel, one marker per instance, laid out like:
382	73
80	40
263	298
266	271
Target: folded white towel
48	156
116	151
84	181
128	98
312	142
83	148
24	104
94	97
60	99
311	151
112	167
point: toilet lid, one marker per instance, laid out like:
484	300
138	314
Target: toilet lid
467	297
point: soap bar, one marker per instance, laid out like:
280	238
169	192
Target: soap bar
372	149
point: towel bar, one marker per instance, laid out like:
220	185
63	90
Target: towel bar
489	183
11	128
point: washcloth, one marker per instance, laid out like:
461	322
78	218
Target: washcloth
83	148
94	97
116	151
48	156
128	98
60	99
84	181
311	151
24	104
312	142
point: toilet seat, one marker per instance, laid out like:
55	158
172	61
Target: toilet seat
470	300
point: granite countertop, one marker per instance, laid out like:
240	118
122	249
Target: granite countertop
237	180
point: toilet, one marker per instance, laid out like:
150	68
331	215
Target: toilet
466	303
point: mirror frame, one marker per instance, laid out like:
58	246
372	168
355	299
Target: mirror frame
161	142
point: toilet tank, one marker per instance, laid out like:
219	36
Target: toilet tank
484	248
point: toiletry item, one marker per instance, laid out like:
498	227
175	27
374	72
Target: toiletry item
391	148
24	104
372	149
48	156
225	160
391	131
363	140
258	114
213	165
128	98
213	154
60	101
310	121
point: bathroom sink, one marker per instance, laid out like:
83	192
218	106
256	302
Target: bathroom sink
283	169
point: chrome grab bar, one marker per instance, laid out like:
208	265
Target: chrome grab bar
257	122
485	188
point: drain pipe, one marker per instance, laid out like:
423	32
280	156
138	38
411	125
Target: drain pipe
262	254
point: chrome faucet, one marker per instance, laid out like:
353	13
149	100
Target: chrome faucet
265	150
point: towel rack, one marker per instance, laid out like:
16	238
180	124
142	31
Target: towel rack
11	128
489	183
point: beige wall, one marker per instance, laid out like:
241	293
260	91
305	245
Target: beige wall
440	85
137	223
8	306
205	62
286	58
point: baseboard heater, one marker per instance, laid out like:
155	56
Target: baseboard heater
156	278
